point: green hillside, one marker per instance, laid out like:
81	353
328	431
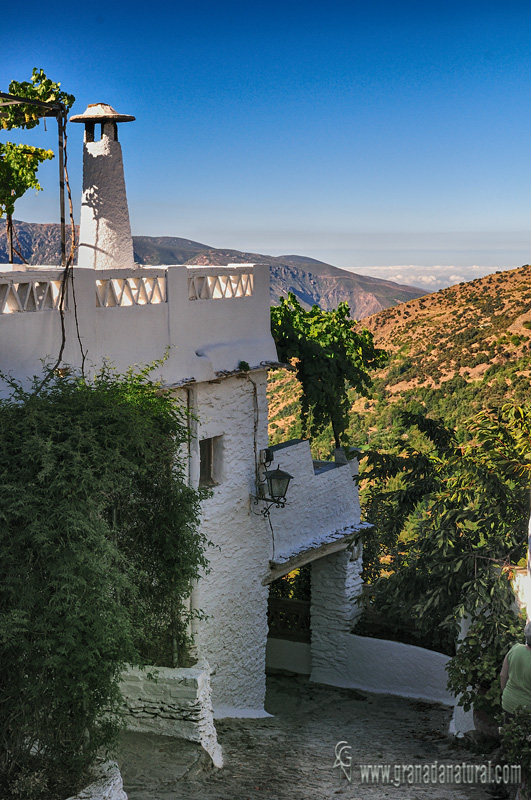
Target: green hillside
455	351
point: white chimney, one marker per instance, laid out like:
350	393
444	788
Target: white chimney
105	239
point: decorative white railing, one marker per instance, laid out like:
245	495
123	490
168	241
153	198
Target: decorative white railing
142	290
220	285
29	295
42	293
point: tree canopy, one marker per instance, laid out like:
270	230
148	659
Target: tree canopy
40	88
450	526
330	356
18	173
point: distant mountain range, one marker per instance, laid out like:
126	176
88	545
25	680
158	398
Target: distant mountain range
310	280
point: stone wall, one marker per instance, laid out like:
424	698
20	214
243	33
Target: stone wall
107	784
176	702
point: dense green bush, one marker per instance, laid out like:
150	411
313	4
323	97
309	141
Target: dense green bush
98	544
516	742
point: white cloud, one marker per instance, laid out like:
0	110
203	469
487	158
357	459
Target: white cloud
434	277
428	280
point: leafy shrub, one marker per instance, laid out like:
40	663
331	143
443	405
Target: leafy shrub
516	742
473	673
98	540
295	585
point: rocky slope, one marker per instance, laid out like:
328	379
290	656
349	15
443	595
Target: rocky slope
463	330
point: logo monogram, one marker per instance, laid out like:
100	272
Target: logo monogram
344	760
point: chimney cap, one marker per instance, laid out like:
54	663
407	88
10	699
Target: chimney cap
101	112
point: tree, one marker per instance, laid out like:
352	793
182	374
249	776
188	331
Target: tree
19	163
330	357
453	523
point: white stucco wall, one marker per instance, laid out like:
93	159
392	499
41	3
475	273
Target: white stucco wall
340	658
462	721
289	656
104	233
386	667
522	590
177	702
233	636
318	503
336	585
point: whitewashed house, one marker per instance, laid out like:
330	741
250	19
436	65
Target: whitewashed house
215	324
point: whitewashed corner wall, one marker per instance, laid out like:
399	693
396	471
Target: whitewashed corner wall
176	702
233	636
321	500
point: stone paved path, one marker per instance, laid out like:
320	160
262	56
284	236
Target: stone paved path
290	755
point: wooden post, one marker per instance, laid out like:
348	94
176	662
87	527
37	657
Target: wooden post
10	237
60	125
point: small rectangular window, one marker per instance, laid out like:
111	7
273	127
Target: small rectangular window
210	461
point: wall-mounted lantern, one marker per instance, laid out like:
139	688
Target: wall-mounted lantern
277	485
271	484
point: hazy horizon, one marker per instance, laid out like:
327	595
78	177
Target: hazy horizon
431	277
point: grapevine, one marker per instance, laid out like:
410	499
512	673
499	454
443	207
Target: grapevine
40	88
18	173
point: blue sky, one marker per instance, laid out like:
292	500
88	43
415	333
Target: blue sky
363	134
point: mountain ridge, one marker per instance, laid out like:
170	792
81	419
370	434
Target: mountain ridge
310	280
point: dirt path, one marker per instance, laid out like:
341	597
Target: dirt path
290	756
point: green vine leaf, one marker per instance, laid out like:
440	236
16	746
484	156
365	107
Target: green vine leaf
330	356
18	173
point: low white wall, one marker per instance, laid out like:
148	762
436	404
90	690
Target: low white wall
202	337
385	667
177	703
522	590
462	721
290	656
107	784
